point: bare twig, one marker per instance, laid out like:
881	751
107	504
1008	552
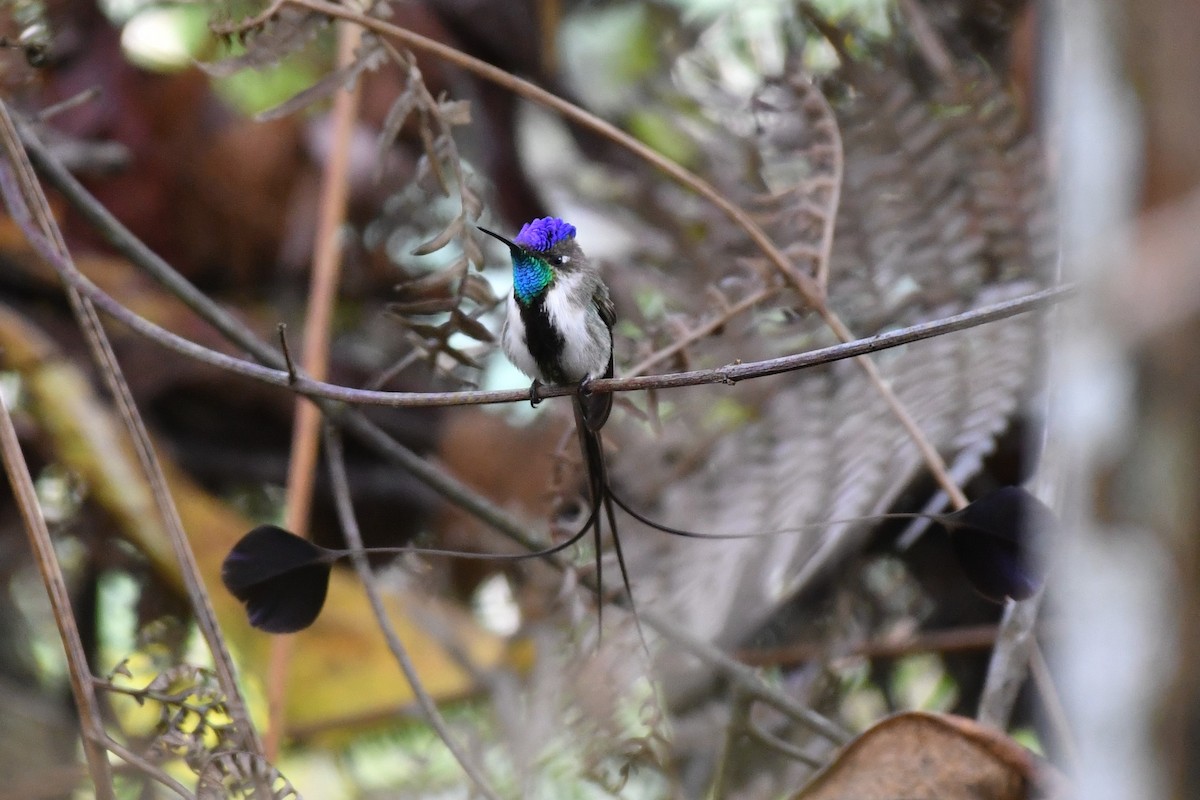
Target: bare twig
728	374
953	640
20	184
281	328
345	508
694	335
149	768
60	601
1055	713
1010	662
77	99
322	292
929	44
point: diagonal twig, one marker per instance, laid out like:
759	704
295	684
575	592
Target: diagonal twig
336	463
288	377
20	183
60	601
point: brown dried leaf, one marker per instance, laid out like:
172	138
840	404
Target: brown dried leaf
455	112
434	305
469	326
441	240
472	203
476	287
396	117
917	754
434	283
462	358
430	162
471	248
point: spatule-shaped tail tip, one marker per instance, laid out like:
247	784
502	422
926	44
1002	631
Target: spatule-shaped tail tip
280	578
995	542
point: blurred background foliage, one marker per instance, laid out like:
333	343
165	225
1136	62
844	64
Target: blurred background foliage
172	147
228	202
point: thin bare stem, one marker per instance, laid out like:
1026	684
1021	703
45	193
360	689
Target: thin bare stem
953	640
322	292
314	358
1056	714
60	602
700	331
148	768
929	44
345	508
728	374
281	328
20	190
1010	662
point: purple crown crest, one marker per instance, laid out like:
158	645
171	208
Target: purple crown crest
542	234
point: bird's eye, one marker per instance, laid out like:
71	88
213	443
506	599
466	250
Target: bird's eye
558	261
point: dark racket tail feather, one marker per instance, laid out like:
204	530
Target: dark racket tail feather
282	579
993	538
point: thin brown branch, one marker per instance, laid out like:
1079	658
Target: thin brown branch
25	200
1055	713
148	768
694	335
345	509
764	737
954	640
728	374
322	292
1010	662
929	44
88	708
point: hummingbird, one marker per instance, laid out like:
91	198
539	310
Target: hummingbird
558	330
558	326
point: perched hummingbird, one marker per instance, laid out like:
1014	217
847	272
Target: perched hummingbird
559	324
558	330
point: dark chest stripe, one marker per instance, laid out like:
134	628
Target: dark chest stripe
545	342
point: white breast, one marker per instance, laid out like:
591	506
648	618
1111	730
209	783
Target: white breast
512	339
585	346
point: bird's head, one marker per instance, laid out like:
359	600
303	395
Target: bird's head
543	249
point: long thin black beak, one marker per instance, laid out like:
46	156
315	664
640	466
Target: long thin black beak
512	248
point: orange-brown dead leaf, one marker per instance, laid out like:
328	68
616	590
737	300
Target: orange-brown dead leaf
920	755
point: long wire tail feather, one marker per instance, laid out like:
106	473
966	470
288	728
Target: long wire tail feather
592	447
